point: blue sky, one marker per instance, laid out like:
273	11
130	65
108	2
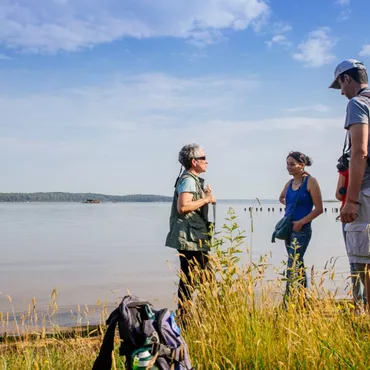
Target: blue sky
100	96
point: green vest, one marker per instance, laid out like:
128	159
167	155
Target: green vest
189	231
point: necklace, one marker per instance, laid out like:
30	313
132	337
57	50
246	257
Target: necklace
299	182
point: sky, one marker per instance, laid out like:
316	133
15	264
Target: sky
101	96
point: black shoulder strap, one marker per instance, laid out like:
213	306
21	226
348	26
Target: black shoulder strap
104	359
347	143
365	94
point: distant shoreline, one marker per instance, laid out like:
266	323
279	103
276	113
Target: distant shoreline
55	197
80	197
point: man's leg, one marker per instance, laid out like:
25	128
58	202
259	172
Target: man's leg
367	286
363	270
356	285
355	276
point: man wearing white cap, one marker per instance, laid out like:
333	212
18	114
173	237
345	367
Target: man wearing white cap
351	78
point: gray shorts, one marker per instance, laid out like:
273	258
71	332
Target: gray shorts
358	231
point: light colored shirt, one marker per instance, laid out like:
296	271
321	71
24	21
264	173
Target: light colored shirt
358	112
187	185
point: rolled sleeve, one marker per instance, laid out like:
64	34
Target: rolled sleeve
187	185
357	113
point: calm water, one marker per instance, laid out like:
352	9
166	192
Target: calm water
92	252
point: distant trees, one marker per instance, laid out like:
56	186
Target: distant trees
80	197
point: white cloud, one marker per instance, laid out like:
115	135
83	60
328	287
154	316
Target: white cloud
279	29
344	2
316	51
4	57
365	51
316	108
134	126
279	40
345	14
50	26
129	103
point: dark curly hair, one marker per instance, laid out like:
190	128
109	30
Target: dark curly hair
300	158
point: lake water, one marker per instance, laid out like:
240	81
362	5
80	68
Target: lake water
92	252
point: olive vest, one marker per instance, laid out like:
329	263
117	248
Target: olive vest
189	231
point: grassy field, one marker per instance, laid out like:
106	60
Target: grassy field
236	321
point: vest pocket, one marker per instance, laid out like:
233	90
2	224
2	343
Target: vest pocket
358	239
197	232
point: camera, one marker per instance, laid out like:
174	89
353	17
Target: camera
343	162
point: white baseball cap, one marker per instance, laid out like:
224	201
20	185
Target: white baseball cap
345	66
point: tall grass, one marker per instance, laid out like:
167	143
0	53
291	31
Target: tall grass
236	321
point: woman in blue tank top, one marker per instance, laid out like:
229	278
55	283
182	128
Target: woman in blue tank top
304	209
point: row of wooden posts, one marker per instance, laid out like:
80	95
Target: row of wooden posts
272	209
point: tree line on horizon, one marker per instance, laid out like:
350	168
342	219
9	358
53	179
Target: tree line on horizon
80	197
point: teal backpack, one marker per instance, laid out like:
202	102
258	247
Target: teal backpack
284	228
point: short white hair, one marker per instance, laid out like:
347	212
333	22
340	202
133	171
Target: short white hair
188	153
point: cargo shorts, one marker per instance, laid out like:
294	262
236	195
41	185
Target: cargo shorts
358	231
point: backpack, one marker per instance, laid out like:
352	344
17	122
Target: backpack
150	339
284	228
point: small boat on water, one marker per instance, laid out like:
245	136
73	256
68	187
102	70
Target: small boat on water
91	201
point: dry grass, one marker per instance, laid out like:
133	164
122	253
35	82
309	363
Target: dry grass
236	321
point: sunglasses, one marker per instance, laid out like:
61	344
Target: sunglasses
200	158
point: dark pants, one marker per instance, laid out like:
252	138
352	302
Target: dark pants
296	248
189	259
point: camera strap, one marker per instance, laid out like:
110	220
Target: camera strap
347	141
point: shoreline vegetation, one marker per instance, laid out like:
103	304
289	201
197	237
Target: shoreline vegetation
101	198
80	197
235	321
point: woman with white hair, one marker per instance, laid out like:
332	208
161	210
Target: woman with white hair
189	216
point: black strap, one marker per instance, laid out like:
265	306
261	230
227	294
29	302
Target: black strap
346	141
104	359
178	177
362	90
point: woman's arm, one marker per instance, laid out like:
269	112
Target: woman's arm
185	203
282	199
315	192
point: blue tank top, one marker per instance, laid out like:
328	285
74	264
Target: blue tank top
304	204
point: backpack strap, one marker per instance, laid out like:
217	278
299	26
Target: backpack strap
104	359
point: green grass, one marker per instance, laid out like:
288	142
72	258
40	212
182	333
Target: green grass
236	321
